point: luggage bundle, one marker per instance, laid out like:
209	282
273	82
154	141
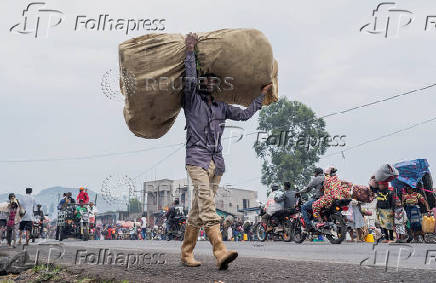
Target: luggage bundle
152	68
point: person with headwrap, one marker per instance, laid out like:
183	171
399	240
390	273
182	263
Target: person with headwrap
379	184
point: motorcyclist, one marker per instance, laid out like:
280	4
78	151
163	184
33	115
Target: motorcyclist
80	210
317	184
333	189
171	214
39	216
290	199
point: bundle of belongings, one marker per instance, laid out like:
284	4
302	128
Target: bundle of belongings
152	70
275	202
416	174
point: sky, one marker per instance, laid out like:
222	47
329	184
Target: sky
53	106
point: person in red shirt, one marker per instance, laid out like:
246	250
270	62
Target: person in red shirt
83	196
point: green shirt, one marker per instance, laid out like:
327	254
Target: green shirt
80	210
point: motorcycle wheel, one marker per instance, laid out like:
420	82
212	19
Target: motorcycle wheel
297	232
430	238
341	230
287	232
182	232
261	232
85	236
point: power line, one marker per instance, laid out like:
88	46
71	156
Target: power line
368	141
160	161
95	156
173	145
415	91
381	137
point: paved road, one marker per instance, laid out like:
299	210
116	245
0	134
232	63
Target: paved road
269	261
416	256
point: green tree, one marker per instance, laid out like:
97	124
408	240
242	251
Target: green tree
290	140
134	205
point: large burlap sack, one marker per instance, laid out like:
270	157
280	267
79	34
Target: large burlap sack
151	68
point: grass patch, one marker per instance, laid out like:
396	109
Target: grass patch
46	272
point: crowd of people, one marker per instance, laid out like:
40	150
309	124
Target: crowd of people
17	217
398	211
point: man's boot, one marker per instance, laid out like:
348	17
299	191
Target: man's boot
189	241
222	255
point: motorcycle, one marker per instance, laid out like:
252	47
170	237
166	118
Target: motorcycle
335	227
36	230
177	230
277	226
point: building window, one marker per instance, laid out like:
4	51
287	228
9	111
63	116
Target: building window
230	204
245	203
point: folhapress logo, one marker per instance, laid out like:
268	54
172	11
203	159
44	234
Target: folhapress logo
387	21
37	20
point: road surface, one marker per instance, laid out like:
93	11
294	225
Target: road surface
152	261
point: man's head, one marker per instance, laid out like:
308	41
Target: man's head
318	171
81	189
28	191
11	196
69	194
330	171
274	187
208	83
176	201
38	207
287	186
91	204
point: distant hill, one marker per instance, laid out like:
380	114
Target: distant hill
50	197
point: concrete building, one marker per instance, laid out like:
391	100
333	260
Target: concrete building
160	194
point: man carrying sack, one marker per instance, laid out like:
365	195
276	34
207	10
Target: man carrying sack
205	119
